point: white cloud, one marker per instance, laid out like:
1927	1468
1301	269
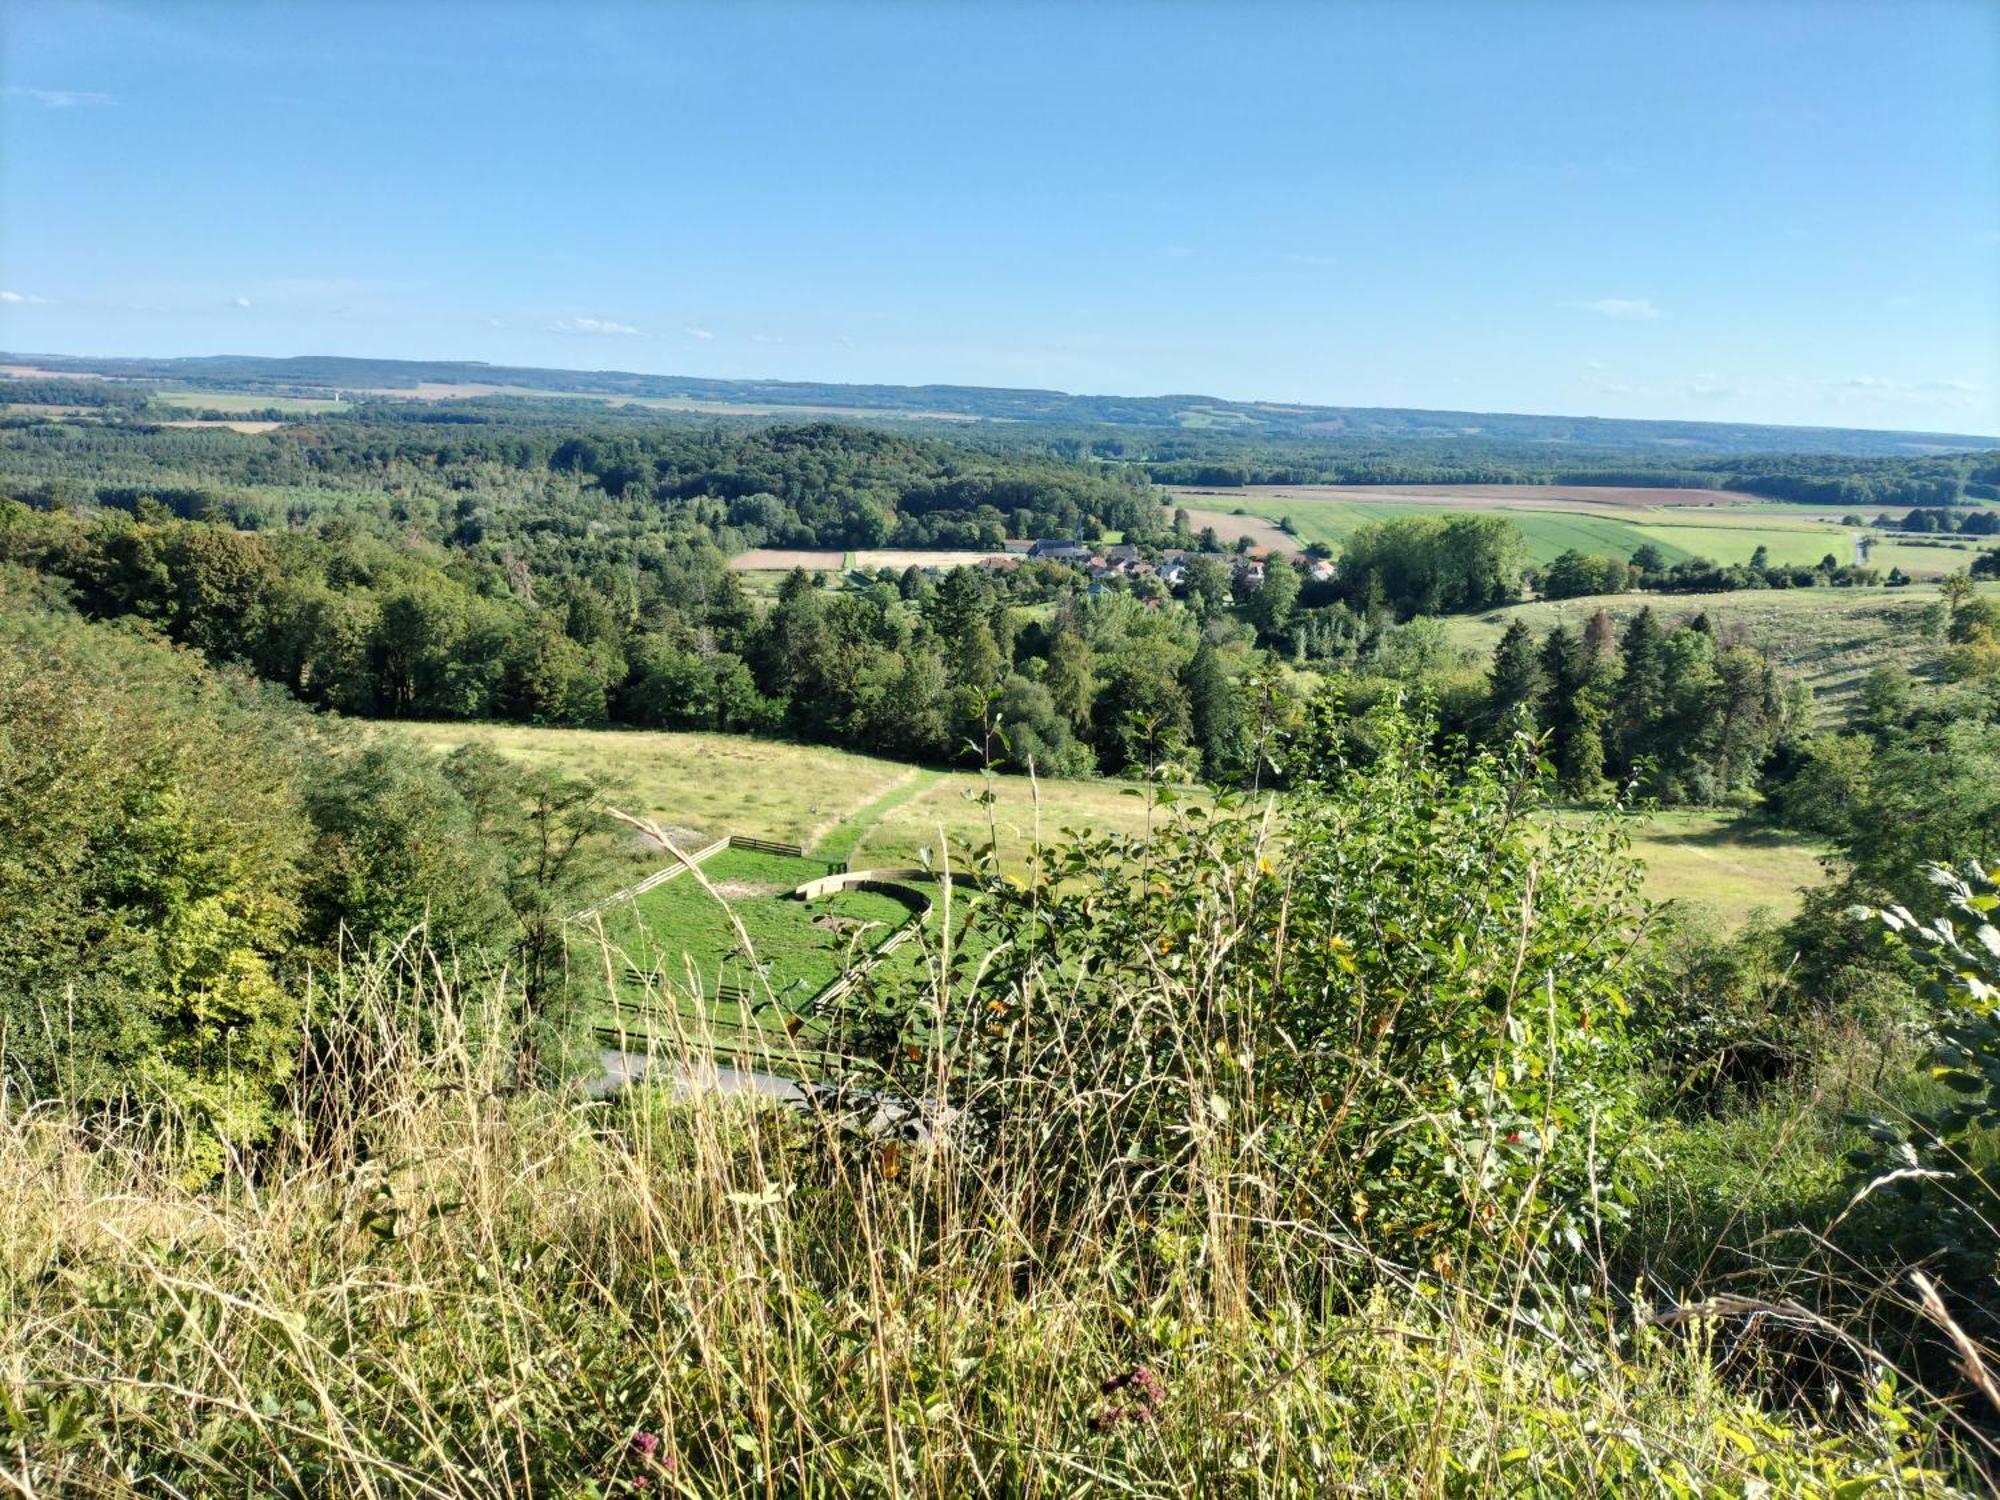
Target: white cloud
597	326
1626	309
17	299
1595	364
239	302
767	338
698	333
57	98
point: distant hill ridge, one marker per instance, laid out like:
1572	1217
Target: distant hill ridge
1212	415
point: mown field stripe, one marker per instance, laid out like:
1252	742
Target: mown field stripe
846	836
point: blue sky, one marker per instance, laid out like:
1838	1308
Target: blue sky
1769	212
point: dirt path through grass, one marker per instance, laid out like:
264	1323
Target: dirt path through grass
839	838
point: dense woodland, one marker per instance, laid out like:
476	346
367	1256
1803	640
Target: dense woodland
533	571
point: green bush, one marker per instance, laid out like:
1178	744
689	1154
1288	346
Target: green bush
150	846
1393	1004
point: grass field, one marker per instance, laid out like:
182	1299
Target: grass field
680	931
1731	864
245	401
870	812
1555	520
833	803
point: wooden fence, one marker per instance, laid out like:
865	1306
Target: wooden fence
658	877
765	846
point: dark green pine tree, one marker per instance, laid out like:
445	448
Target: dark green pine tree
1514	696
1573	712
1641	695
1213	715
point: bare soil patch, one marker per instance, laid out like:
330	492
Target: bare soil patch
233	426
783	559
919	557
1265	536
738	890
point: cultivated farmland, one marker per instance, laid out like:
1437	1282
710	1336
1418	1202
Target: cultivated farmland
246	401
1555	519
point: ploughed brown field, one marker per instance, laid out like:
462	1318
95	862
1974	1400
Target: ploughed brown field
831	559
784	559
1265	536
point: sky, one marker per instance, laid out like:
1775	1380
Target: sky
1739	211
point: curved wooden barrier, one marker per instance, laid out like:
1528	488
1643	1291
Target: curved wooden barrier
886	881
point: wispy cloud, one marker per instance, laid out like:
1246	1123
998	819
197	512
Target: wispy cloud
1709	388
1881	388
57	98
18	299
600	327
767	338
239	301
698	333
1613	388
1626	309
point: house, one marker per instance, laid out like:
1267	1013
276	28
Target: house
1054	549
1125	553
1320	570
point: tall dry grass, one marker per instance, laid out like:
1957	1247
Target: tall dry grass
445	1284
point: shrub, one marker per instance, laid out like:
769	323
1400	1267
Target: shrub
1392	1006
150	846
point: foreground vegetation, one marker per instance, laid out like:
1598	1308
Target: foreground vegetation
1294	1147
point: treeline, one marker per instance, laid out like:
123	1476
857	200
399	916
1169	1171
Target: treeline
823	484
1944	479
1008	665
1573	574
1676	714
1969	523
1830	479
43	390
